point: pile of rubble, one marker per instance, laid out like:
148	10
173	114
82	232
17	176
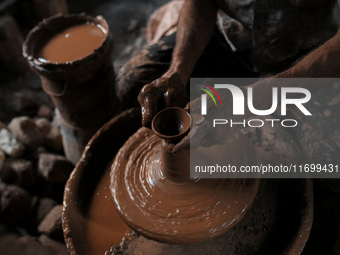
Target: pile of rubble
33	173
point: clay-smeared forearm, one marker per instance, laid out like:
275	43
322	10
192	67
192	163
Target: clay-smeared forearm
321	63
195	26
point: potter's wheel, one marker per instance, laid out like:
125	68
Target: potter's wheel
154	194
278	222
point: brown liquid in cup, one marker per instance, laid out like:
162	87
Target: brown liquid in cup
73	43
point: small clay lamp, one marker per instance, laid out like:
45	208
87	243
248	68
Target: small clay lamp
153	192
171	125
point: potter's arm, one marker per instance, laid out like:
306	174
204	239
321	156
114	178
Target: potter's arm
321	63
196	24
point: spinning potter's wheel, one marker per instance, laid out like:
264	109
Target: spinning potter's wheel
155	196
278	222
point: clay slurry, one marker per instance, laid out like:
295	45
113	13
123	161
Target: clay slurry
73	43
176	210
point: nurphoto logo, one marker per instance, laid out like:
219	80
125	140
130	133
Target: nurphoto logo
238	104
238	99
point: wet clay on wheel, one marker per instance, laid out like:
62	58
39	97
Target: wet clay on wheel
278	222
154	194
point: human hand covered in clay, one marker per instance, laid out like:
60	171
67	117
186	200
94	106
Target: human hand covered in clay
161	93
202	132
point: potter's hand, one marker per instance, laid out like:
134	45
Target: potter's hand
159	94
202	132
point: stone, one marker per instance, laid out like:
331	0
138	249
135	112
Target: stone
54	168
26	131
8	175
53	140
20	168
42	208
34	155
44	125
10	144
58	247
52	225
28	239
45	205
26	171
15	204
